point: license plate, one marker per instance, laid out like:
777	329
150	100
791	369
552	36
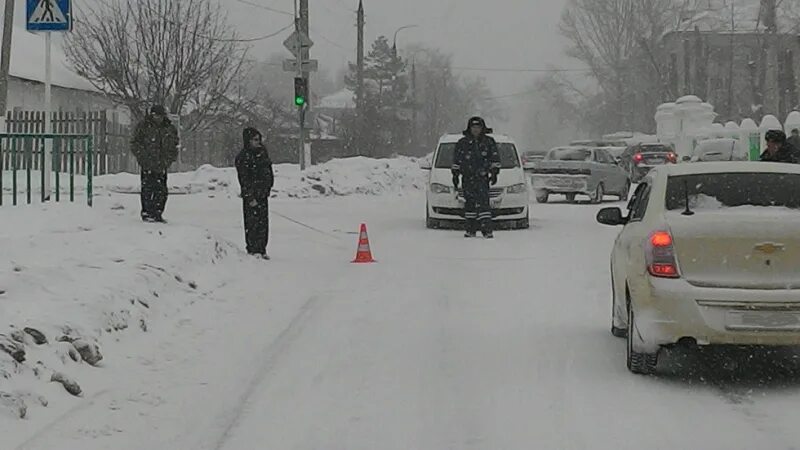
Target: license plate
654	161
763	320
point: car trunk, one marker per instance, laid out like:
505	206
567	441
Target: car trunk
757	248
653	158
555	167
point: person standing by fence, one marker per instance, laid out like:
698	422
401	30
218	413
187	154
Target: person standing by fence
155	146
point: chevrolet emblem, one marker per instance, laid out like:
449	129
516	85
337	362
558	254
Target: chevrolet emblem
769	248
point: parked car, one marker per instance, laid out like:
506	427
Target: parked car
510	197
597	143
530	158
616	152
708	254
579	170
639	159
718	150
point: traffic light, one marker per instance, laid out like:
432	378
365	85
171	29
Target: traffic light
300	91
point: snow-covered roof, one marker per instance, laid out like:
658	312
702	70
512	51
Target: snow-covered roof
344	99
454	138
28	59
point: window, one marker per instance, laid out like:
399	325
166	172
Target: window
638	204
570	154
604	158
509	158
726	190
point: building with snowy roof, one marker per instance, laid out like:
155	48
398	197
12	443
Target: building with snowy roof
70	91
741	58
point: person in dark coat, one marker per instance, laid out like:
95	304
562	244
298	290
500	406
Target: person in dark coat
256	179
794	138
155	146
476	164
779	149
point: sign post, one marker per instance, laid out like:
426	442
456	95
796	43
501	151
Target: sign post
297	43
48	16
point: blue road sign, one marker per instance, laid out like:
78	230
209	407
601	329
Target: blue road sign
49	15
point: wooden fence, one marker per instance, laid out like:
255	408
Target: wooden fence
111	141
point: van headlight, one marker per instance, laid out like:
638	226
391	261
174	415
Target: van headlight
437	188
517	188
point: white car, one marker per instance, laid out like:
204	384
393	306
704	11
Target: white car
510	197
709	253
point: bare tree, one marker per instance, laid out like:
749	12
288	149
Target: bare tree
182	54
613	36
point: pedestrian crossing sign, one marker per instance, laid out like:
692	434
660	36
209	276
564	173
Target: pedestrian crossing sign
49	15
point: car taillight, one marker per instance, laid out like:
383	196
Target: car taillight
660	256
672	157
637	158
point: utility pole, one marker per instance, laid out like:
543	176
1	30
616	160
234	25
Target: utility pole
5	59
360	79
304	56
414	104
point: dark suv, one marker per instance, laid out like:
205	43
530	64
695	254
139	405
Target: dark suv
639	159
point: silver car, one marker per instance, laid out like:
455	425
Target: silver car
580	170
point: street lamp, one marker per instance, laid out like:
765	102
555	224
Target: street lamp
394	41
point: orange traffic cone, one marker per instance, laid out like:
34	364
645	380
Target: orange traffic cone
364	254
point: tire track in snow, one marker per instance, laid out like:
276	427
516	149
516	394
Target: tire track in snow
45	430
268	363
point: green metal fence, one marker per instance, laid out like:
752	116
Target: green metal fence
24	152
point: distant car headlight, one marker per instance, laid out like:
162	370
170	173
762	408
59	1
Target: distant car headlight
437	188
517	188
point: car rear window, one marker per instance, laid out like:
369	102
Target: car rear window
570	154
509	158
727	190
654	149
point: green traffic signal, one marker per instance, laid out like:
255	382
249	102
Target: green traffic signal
300	91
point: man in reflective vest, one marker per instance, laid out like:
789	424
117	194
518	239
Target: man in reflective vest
476	164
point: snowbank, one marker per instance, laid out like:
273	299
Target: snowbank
340	177
72	277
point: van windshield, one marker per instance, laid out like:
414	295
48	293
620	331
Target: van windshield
508	156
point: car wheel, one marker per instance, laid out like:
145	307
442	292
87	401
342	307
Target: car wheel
571	197
431	224
616	331
542	197
599	193
626	191
638	362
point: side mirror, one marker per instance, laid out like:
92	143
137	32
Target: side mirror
611	216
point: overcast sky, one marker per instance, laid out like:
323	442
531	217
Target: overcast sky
480	33
490	33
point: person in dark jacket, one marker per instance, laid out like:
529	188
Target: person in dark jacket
794	138
476	163
779	149
155	146
256	179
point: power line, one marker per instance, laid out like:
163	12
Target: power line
214	39
268	8
521	70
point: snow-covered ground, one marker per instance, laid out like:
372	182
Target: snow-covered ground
445	343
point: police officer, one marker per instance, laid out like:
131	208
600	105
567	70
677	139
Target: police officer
477	163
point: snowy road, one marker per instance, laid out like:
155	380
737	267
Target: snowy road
444	344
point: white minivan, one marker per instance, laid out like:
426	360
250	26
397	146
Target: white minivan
510	197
